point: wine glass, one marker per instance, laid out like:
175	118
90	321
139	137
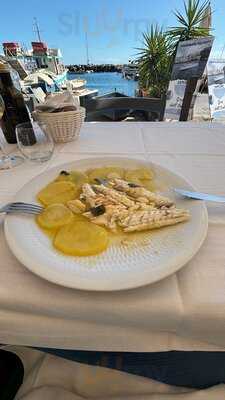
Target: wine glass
34	141
7	161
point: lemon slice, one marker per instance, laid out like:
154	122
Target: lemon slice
57	192
55	216
81	239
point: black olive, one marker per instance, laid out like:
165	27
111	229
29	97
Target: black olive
99	210
133	185
64	173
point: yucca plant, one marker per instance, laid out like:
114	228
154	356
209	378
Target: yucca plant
191	22
156	57
154	61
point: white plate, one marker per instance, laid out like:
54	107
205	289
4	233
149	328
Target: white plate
150	258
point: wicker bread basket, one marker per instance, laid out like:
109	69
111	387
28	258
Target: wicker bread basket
62	126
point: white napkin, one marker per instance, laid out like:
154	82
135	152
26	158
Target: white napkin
58	102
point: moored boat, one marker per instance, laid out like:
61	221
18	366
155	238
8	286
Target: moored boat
40	59
130	71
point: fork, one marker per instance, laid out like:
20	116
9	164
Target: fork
20	207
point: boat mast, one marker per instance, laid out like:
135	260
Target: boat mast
87	48
36	29
221	56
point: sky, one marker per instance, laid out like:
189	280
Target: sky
113	27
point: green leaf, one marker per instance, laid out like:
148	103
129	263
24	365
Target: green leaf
154	60
189	23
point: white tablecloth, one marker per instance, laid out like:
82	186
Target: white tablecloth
185	311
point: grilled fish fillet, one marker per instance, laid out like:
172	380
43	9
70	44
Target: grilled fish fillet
131	208
114	195
142	220
141	193
109	218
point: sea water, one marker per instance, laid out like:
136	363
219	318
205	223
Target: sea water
107	82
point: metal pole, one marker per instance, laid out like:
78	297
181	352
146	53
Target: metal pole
36	29
87	49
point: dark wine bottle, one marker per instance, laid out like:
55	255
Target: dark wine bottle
15	110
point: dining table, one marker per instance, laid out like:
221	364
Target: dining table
185	311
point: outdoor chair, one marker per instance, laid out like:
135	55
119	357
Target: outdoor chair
188	68
114	107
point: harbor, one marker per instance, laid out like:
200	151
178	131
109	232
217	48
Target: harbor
40	71
107	82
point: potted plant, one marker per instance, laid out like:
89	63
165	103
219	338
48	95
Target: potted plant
154	62
155	57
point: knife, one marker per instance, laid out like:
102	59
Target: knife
200	196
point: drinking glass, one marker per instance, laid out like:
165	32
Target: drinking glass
34	141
